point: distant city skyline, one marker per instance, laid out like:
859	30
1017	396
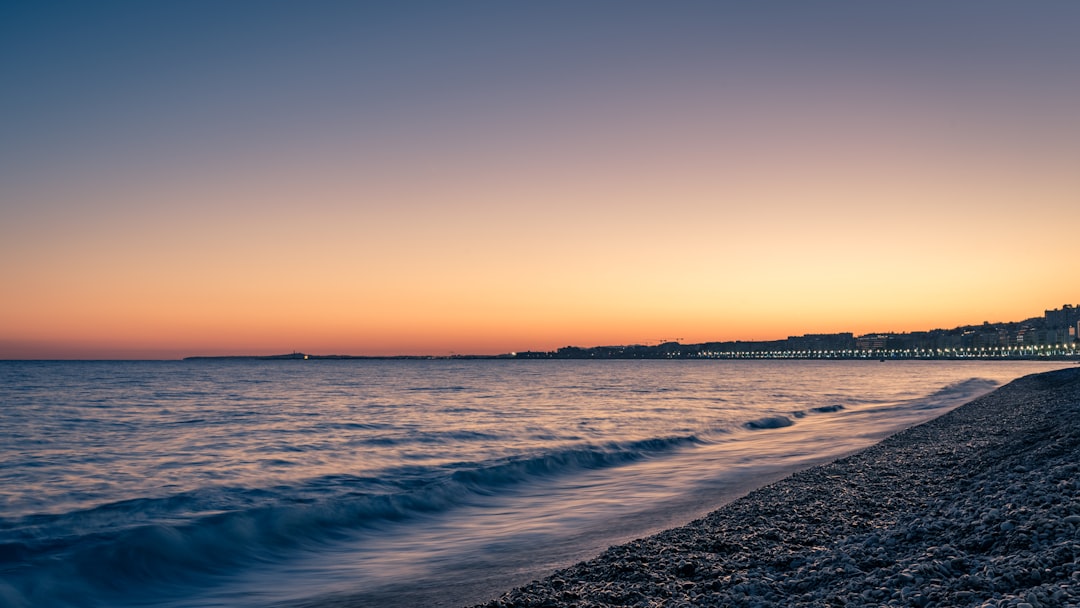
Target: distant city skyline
427	177
1055	335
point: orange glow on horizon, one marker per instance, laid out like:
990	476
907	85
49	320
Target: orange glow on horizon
663	175
429	335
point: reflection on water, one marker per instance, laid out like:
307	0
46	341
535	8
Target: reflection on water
235	483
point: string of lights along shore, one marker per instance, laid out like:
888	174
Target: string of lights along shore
1056	335
1053	336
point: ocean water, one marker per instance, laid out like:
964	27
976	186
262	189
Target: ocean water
402	483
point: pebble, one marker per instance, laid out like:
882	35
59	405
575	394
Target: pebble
989	521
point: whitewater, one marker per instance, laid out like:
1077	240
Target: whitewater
403	483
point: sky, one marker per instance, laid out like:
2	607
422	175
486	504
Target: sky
201	178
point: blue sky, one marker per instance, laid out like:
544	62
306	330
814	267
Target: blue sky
191	175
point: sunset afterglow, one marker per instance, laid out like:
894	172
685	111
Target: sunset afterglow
429	178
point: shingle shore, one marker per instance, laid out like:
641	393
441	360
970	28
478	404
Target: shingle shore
980	507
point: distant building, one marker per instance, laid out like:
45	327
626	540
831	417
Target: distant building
872	342
1027	336
1067	316
823	342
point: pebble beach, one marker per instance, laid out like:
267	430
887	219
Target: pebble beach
979	507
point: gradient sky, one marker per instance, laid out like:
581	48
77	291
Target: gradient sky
183	178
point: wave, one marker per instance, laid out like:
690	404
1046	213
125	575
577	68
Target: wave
154	547
100	556
768	422
824	409
949	395
513	471
963	390
438	389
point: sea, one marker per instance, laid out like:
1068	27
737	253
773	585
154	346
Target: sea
351	483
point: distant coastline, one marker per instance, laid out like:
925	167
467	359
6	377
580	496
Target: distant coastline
310	357
686	353
1054	336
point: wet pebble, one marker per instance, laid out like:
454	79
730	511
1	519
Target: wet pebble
976	508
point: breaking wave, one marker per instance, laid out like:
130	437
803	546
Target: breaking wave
187	538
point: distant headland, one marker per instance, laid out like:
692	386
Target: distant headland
306	356
1051	336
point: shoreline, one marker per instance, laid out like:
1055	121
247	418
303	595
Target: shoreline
978	507
755	356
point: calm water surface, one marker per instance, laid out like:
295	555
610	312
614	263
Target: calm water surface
408	483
